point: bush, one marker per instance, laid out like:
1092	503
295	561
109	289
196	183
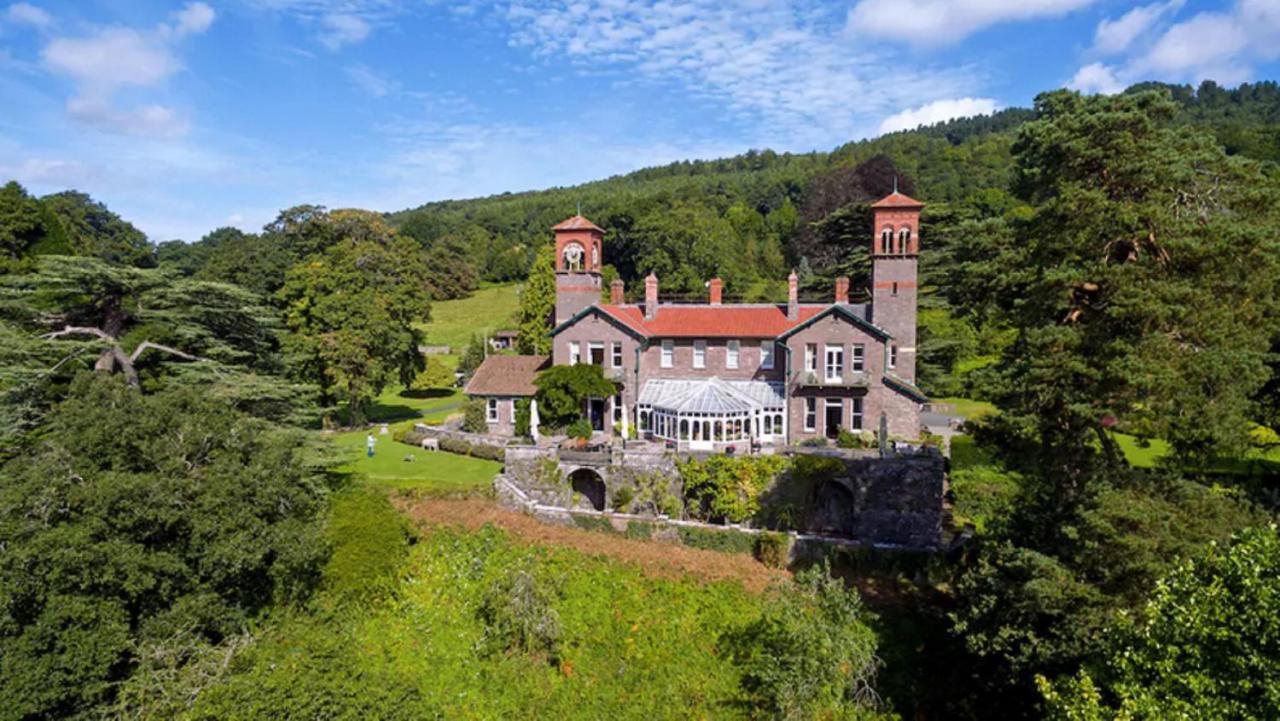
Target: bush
726	541
772	549
518	616
848	439
523	417
475	416
580	429
811	653
671	506
488	452
593	523
815	442
370	541
455	445
622	498
725	487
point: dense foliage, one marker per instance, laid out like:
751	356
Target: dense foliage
564	390
140	522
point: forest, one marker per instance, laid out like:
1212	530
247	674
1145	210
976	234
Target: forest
1098	271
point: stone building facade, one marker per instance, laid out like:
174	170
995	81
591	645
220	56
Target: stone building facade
713	376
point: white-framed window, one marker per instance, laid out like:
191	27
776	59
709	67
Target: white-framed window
766	354
886	239
857	363
810	414
511	410
575	353
893	356
855	418
811	357
668	353
699	354
732	350
617	410
616	358
595	353
835	362
491	408
904	240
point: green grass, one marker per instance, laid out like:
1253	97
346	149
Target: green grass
632	646
397	405
453	322
429	470
967	407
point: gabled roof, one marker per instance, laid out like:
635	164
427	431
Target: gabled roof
897	200
507	375
906	388
856	314
577	222
710	321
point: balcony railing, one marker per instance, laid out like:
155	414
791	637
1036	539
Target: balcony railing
847	380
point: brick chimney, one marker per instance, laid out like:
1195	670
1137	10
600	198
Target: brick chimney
842	290
716	289
616	289
793	296
651	297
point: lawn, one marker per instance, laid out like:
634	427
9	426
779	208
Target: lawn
967	407
453	322
396	465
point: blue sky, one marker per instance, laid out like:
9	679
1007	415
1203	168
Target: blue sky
186	116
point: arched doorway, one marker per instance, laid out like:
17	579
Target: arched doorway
590	485
833	508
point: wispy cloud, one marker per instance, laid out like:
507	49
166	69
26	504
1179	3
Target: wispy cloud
937	112
110	59
339	23
1223	46
342	30
27	14
943	22
371	82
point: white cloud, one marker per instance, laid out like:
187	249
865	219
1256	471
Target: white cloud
28	14
784	67
937	112
1096	78
942	22
371	82
1221	46
1115	36
343	29
110	59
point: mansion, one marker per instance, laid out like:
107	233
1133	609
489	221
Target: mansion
713	376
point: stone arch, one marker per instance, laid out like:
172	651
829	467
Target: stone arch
590	484
833	508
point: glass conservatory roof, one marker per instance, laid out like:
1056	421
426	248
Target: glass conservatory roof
711	396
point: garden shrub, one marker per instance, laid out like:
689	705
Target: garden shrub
815	442
848	439
475	417
671	506
518	616
811	653
455	445
726	541
593	523
772	549
640	530
522	417
622	498
728	488
580	429
369	540
488	452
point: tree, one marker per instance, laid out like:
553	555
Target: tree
538	306
1207	645
563	391
27	227
352	311
472	357
435	375
141	524
93	230
811	653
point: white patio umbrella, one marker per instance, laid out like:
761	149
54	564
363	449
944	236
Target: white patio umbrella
533	419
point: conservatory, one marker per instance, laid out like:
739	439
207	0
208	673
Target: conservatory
713	414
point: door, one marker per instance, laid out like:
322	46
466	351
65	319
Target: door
595	409
834	417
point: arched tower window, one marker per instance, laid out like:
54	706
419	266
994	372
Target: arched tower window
573	257
886	240
904	240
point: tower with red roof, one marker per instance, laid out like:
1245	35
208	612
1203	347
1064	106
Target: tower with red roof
579	256
895	254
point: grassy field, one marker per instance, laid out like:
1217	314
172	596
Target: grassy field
633	646
396	465
967	407
453	322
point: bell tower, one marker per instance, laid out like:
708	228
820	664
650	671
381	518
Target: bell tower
579	255
895	250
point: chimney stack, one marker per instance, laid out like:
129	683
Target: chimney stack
716	288
842	290
793	296
615	291
651	297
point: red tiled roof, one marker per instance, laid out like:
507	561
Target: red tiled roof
705	321
577	222
897	200
506	375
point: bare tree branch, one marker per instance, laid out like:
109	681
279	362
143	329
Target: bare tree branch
79	330
144	345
